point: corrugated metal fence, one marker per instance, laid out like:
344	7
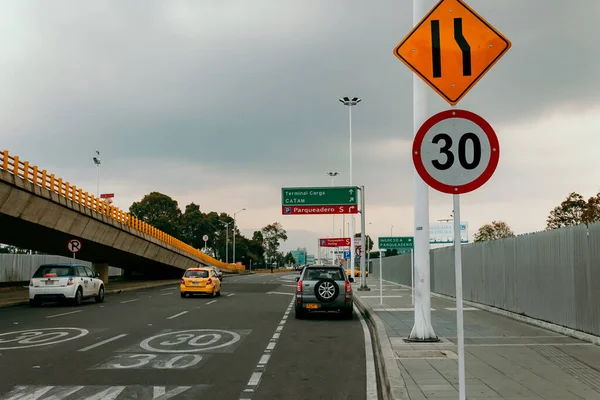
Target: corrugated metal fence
553	275
20	267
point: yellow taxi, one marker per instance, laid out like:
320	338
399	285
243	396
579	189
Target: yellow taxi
356	272
200	280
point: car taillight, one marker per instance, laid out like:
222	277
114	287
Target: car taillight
182	281
70	282
299	286
209	281
348	287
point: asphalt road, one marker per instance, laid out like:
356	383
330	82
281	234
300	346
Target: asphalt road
152	344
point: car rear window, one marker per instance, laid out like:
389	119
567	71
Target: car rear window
323	273
196	274
48	271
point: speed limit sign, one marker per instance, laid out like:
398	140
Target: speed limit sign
205	238
455	151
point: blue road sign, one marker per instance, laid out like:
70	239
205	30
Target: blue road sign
347	255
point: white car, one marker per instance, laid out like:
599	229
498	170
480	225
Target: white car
65	282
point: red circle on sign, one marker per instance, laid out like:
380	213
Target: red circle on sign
474	184
358	251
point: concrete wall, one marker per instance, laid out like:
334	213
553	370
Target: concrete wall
553	276
20	267
36	218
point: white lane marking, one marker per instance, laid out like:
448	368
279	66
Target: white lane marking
109	394
397	309
287	294
210	302
160	392
289	285
464	309
21	393
376	297
264	359
177	315
166	294
129	301
67	313
169	288
370	359
230	294
255	379
63	394
112	339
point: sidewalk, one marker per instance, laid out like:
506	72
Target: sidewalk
505	359
19	296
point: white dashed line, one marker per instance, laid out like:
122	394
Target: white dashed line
210	302
103	342
230	294
264	359
67	313
129	301
166	294
286	293
177	315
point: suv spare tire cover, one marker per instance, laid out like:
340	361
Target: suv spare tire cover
326	290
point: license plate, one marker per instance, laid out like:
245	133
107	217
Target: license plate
312	305
49	282
195	283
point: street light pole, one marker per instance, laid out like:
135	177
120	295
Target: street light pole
333	175
234	214
97	162
392	230
226	241
348	102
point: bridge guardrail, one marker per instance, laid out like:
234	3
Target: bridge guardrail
40	177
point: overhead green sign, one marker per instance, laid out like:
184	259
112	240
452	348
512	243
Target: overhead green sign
319	196
396	242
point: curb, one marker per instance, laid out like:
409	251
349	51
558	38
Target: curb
113	291
391	382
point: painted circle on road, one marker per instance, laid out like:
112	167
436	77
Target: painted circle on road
190	341
39	337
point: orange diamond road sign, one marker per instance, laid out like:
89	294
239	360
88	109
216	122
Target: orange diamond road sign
452	48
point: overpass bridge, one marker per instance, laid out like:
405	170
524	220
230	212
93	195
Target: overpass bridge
42	212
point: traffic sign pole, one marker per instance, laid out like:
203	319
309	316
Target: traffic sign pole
459	299
422	329
363	278
380	277
412	276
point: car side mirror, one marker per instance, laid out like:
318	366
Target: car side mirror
350	279
97	275
297	278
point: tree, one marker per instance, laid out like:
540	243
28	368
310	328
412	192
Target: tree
272	234
368	241
493	231
574	211
160	211
289	258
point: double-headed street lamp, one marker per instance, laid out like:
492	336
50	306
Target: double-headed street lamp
234	214
350	102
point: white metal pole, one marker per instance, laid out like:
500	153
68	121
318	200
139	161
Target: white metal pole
227	243
233	238
352	219
363	278
422	329
459	299
98	181
412	276
380	277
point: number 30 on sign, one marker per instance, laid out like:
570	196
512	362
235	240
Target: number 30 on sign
456	151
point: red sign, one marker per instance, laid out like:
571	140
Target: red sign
308	210
334	242
358	251
107	195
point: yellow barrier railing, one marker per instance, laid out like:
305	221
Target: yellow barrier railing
35	175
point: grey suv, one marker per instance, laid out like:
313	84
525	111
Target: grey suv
323	288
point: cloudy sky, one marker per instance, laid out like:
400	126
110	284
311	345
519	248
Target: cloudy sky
223	102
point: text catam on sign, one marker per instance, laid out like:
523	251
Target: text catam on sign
452	48
319	200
